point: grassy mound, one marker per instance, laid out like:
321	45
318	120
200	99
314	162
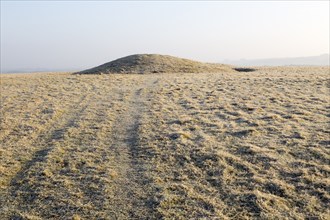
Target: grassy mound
154	63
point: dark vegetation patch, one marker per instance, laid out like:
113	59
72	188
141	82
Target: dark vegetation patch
240	69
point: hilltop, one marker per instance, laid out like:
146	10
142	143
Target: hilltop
155	63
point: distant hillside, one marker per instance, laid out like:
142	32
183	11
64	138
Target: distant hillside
37	70
154	63
321	60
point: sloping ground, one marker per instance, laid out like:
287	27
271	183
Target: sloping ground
180	146
154	63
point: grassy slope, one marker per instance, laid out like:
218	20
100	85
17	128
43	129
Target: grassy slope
248	145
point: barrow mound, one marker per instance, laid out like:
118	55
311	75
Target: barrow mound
155	63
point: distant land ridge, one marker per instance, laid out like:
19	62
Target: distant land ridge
155	63
321	60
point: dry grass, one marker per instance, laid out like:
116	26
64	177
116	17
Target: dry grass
251	145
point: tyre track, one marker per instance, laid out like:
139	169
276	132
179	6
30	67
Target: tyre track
19	191
132	195
30	143
119	188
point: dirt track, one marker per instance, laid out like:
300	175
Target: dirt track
83	160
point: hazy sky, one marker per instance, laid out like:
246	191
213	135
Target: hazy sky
80	34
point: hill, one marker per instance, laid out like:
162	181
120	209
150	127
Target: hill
155	63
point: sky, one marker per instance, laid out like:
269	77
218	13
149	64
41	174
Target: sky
74	35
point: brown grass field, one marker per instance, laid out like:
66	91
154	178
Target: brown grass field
232	145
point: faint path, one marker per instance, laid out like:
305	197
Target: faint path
127	193
57	133
16	195
133	193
